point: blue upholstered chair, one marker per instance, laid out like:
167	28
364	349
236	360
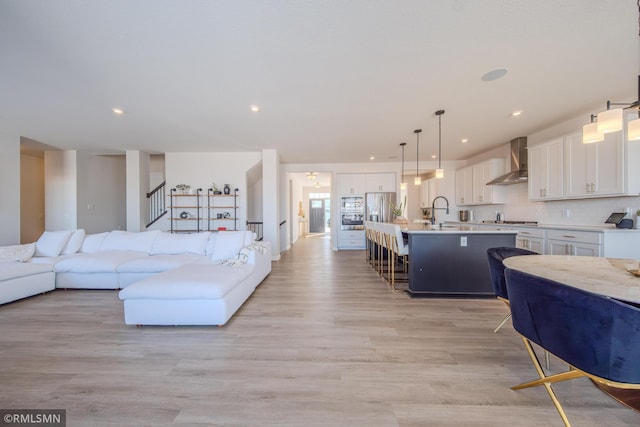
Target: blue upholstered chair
496	270
596	335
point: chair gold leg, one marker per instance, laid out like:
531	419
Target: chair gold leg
547	381
507	317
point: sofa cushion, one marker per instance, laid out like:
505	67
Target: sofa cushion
20	253
51	243
158	263
188	282
98	262
73	244
228	244
119	240
14	270
92	242
171	243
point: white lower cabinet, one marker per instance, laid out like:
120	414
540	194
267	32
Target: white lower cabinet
531	239
578	243
351	239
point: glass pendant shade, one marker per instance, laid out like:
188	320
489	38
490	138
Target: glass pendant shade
610	121
417	180
590	134
633	130
403	185
439	173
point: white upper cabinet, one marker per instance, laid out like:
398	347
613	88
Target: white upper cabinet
352	184
471	183
593	170
464	186
428	190
546	170
482	173
360	183
381	182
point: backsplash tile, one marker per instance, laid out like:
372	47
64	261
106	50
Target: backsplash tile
581	211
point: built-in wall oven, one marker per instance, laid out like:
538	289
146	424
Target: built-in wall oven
352	213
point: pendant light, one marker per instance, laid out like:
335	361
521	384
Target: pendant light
417	180
439	171
403	184
612	120
590	132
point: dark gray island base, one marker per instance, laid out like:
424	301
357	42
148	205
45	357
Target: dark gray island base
451	262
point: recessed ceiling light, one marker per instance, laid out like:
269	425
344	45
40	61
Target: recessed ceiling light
372	158
117	111
516	113
433	156
464	140
255	108
492	75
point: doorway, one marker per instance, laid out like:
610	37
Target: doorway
319	213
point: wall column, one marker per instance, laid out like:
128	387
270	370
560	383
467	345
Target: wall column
270	203
138	176
10	192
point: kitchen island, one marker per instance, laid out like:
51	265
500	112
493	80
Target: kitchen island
451	260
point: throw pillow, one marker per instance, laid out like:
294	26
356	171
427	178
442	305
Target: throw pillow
92	242
167	243
74	242
20	253
119	240
51	243
227	245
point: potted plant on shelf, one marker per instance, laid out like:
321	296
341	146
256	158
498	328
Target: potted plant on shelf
215	188
184	188
398	211
637	223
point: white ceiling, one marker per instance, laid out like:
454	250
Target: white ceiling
337	80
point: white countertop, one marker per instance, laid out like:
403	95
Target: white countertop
593	228
416	228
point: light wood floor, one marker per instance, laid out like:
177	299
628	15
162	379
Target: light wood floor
322	342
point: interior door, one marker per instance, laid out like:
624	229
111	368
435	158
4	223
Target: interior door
316	216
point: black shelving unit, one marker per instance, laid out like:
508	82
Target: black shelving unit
217	206
184	212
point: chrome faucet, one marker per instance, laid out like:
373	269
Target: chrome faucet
433	208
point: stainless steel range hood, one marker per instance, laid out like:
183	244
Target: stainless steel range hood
519	164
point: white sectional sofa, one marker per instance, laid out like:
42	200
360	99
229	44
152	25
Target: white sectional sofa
20	279
166	279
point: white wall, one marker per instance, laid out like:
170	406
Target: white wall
156	171
9	192
137	184
254	193
31	197
101	204
201	170
61	190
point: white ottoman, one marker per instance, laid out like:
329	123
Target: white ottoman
194	294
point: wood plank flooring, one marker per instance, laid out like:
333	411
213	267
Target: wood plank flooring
322	342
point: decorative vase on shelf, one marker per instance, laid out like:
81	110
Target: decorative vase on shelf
637	223
227	189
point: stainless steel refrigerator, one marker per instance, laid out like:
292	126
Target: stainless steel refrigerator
377	206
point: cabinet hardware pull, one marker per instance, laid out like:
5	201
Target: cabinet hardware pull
568	236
